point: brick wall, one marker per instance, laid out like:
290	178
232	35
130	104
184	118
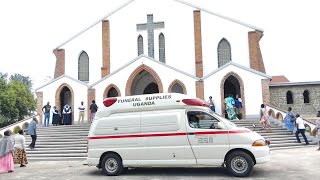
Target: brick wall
265	90
256	61
105	69
278	98
91	96
40	105
60	62
198	43
200	89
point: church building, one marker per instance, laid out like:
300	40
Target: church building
157	46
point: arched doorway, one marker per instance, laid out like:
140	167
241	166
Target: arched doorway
111	91
144	83
232	84
144	80
64	95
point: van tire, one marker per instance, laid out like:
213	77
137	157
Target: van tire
239	164
111	165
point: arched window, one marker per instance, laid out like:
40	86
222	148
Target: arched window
140	45
83	67
162	53
177	88
289	97
306	98
112	93
224	52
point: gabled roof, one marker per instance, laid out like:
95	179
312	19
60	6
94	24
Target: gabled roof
239	66
279	79
180	1
60	77
149	58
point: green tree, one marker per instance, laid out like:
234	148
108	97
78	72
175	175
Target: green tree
24	79
16	99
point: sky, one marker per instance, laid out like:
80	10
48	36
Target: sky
30	30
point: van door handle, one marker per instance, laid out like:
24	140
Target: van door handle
115	128
191	133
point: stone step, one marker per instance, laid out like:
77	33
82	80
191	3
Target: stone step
61	135
39	148
59	139
286	145
59	145
56	151
58	155
75	143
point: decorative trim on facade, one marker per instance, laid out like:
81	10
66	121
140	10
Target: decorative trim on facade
105	69
58	100
223	108
178	82
136	72
108	88
60	62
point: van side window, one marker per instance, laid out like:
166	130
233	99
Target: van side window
202	120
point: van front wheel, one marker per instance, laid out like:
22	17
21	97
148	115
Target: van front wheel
240	164
111	165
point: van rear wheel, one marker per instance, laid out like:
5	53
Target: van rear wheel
240	164
111	165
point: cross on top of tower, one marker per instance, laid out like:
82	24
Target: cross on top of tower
150	26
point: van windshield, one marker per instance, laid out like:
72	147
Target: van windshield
226	121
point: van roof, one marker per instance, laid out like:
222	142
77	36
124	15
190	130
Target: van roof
148	102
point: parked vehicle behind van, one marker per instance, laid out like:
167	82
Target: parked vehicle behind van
170	130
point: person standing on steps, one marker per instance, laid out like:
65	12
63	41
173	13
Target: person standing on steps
300	129
46	113
290	120
93	109
212	105
55	116
81	113
32	131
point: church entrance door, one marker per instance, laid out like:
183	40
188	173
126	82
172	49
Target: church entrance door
63	97
144	83
232	84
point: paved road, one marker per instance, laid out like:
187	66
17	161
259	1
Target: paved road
299	163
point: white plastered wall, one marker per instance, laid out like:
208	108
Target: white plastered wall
166	75
80	94
213	30
252	88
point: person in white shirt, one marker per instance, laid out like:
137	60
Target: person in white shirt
300	129
81	113
20	156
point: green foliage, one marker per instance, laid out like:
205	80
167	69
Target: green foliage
16	99
23	79
0	136
16	129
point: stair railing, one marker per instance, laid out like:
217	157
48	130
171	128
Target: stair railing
278	115
23	124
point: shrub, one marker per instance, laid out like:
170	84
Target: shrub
0	135
16	130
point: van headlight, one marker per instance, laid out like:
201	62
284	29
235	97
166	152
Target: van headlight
259	142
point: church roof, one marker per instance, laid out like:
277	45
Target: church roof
239	66
279	79
56	79
295	83
180	1
137	58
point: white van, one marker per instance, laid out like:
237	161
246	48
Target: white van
170	130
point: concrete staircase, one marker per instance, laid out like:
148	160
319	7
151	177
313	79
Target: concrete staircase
56	143
280	137
59	143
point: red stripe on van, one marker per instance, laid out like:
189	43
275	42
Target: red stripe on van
168	134
137	135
